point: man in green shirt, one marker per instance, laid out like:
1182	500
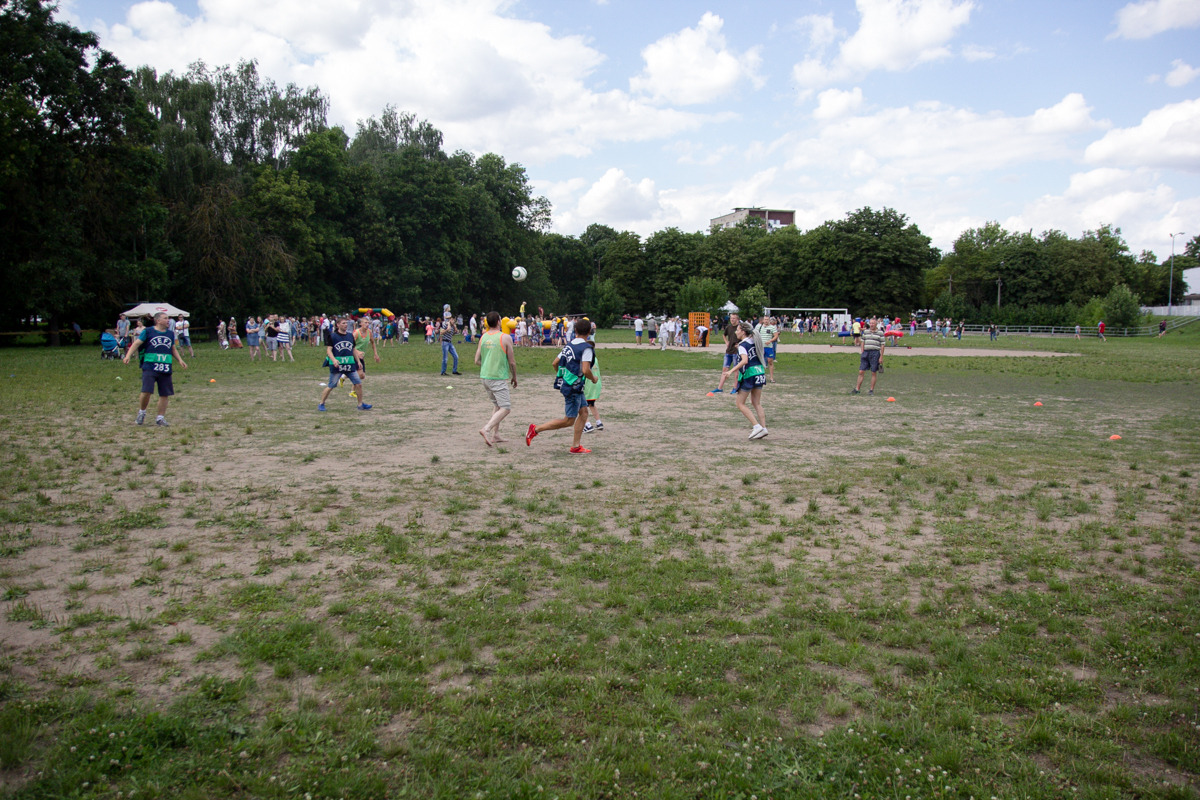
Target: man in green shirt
497	369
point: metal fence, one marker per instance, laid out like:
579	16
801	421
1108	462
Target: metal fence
1069	330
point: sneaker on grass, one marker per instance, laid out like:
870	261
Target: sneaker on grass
365	406
141	417
599	426
579	450
756	431
321	407
530	434
588	427
162	422
760	434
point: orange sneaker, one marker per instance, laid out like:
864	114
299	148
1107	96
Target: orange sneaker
580	449
532	432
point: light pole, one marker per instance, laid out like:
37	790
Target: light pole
1171	280
999	283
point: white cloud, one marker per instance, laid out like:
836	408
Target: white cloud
933	139
488	81
834	103
1181	74
1133	200
821	31
974	52
695	65
1167	137
893	35
1149	17
615	196
702	154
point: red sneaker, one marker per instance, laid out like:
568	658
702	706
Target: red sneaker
580	449
530	434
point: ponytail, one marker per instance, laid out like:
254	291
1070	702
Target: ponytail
756	335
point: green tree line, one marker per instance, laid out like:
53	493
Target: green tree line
226	194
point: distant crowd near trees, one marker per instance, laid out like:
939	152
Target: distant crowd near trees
225	194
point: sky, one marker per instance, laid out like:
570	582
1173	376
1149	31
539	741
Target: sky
1038	114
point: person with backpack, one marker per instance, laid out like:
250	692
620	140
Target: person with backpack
574	366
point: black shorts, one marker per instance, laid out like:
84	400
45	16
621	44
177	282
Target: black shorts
162	380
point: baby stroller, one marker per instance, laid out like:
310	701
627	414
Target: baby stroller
110	348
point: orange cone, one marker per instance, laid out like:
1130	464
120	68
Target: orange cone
1038	403
1114	437
891	399
212	380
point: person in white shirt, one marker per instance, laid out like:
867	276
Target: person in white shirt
183	335
638	324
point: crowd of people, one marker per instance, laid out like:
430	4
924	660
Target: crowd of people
748	364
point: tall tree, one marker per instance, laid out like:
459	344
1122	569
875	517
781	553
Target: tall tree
80	222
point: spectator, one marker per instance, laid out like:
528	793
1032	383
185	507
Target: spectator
446	331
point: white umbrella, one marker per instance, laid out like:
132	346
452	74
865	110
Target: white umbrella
150	309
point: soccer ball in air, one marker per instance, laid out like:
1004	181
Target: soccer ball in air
520	273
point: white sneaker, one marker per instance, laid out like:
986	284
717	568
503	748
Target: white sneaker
760	433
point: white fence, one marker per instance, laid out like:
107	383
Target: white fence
1172	311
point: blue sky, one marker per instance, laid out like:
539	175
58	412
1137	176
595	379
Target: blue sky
1040	115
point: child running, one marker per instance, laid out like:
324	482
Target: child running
750	377
574	364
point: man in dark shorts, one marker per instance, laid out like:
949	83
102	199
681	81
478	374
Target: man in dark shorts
159	354
729	336
340	355
870	355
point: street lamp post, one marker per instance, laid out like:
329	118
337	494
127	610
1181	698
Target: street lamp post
999	283
1171	280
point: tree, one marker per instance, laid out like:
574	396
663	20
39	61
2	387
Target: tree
603	302
751	301
1122	307
671	258
706	295
80	222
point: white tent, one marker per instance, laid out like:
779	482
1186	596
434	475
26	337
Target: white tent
150	309
730	307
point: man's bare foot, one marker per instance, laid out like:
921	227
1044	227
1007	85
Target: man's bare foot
486	440
498	440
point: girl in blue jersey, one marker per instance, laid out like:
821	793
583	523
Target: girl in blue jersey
751	376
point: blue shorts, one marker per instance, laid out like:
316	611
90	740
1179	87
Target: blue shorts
768	352
162	380
252	340
752	383
730	360
571	405
186	341
869	361
350	376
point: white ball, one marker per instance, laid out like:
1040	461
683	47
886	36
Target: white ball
520	273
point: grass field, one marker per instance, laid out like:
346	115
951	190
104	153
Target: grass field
956	594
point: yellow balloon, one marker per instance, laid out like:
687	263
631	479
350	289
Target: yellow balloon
547	325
